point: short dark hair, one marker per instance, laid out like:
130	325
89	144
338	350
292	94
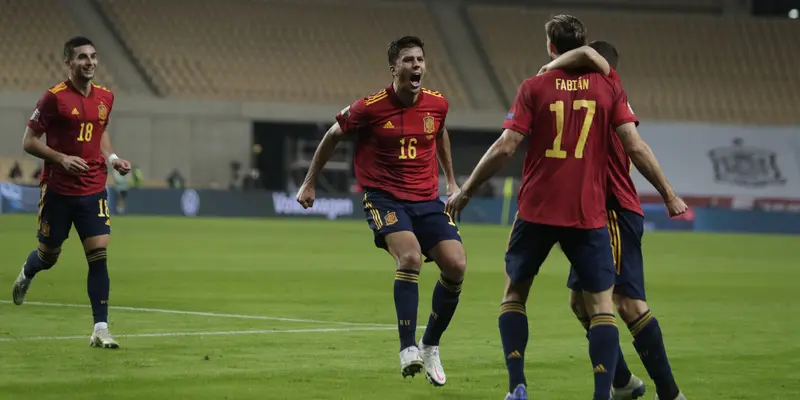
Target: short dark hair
607	50
405	42
72	43
565	32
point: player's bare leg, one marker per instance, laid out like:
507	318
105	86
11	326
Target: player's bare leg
649	343
405	249
626	386
513	324
451	259
43	258
603	339
98	287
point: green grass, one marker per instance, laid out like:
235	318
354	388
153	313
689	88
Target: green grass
727	304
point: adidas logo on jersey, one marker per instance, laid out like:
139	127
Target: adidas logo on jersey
75	111
388	125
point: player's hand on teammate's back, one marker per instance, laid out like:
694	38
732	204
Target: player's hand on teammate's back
306	195
676	206
122	166
544	69
74	164
455	203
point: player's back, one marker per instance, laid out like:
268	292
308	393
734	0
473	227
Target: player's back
565	172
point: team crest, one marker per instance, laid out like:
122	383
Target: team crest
102	112
428	124
391	218
44	229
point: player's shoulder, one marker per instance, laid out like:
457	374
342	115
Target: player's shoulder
57	88
435	97
376	99
103	91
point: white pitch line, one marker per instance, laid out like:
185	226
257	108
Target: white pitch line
203	314
219	333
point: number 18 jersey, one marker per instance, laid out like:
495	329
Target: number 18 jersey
569	118
74	125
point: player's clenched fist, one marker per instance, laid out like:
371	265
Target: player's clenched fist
676	206
74	164
306	195
122	166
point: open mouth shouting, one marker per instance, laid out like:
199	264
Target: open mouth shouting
415	79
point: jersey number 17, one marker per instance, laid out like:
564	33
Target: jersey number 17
558	108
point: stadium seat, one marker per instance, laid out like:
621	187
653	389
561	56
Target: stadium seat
33	33
276	51
674	67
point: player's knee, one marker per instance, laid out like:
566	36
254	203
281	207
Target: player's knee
630	309
409	260
455	267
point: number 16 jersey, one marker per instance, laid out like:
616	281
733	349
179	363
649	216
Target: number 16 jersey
396	145
569	119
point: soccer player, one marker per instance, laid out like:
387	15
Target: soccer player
74	116
400	132
626	226
567	116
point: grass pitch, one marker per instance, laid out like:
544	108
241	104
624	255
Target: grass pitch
288	309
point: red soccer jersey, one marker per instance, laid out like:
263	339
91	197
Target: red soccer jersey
396	145
568	118
73	125
620	183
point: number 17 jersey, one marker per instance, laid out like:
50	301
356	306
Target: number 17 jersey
569	118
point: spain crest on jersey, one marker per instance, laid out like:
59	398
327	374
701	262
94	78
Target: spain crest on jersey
428	124
391	218
102	112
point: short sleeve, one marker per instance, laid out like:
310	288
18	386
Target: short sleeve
622	111
45	113
520	117
353	117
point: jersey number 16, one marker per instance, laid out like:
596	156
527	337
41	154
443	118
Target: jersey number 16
558	108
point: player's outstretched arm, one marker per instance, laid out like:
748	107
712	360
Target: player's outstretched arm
582	57
495	158
306	194
122	166
33	145
446	160
645	161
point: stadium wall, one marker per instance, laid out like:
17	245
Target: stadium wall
746	164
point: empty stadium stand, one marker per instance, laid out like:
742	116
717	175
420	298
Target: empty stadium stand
33	33
674	67
331	52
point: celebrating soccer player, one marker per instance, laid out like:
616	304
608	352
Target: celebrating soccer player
400	132
74	115
626	226
568	117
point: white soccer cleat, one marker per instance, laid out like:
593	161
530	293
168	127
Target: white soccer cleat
102	338
410	361
21	286
633	390
680	397
433	365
